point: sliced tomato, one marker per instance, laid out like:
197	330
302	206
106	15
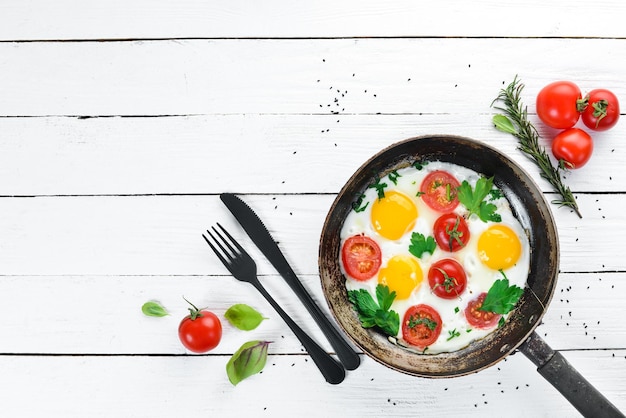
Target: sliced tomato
447	278
421	325
480	319
439	191
361	257
451	232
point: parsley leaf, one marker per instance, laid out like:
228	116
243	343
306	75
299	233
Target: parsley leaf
474	199
372	314
421	244
501	298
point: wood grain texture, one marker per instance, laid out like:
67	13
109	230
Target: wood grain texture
191	385
161	235
238	76
121	122
121	19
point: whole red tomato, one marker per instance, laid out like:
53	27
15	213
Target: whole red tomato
573	146
557	104
601	111
200	331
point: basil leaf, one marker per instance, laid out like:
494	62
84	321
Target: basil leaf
250	359
153	308
244	317
504	124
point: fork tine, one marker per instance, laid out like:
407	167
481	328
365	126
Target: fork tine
232	240
215	250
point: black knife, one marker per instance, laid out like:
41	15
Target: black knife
259	234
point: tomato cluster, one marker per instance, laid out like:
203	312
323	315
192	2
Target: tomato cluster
560	105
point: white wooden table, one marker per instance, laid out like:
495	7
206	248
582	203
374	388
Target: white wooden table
122	121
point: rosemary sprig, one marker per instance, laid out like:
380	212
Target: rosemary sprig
515	121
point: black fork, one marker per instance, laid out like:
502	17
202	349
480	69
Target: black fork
243	268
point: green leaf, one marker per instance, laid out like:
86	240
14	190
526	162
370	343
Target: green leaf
153	308
473	199
250	359
372	314
504	124
363	301
244	317
420	244
501	298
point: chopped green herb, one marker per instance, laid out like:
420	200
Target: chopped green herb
452	334
421	244
372	314
416	320
501	322
393	176
380	188
456	309
420	165
474	199
358	205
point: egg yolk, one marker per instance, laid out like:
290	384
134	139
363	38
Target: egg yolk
499	247
393	215
402	274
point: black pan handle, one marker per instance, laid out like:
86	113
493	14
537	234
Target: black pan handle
560	373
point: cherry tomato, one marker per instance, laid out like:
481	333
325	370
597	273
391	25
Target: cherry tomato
200	331
601	111
421	325
361	257
557	104
447	278
451	232
574	146
439	191
480	319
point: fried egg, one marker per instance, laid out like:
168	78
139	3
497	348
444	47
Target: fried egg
494	250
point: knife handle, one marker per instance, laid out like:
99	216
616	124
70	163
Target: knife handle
348	357
330	368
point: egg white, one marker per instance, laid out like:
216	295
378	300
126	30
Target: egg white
479	277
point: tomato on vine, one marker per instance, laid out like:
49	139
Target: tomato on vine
601	110
557	104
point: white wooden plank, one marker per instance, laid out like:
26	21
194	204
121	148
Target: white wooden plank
161	235
197	386
433	75
205	153
70	19
101	315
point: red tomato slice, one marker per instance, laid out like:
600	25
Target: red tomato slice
451	232
480	319
447	278
421	325
439	191
361	257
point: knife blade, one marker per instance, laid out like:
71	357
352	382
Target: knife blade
258	233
